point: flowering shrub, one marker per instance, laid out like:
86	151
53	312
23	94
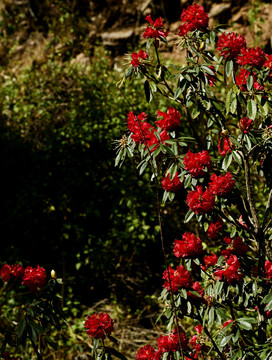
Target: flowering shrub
35	312
218	144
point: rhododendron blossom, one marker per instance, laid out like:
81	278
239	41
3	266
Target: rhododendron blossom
154	31
192	18
268	269
210	260
171	185
230	44
238	247
139	132
146	353
245	124
137	57
179	278
227	323
99	325
170	120
153	140
231	271
167	343
197	163
9	271
34	278
200	201
254	57
189	246
241	80
215	228
222	185
224	146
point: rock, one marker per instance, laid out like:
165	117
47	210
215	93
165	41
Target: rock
218	9
114	38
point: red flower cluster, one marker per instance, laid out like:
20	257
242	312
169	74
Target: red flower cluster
197	163
210	260
136	57
99	325
9	271
196	287
238	247
222	185
225	146
254	57
134	128
154	31
170	120
268	63
200	202
245	124
241	80
194	17
167	343
180	278
189	246
215	228
230	272
146	353
230	44
268	269
171	185
34	278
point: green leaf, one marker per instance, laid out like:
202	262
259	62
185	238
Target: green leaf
251	109
50	342
21	328
211	316
187	181
249	82
143	167
266	299
148	92
244	324
237	157
228	100
188	216
226	162
177	93
225	340
195	112
229	67
268	306
233	105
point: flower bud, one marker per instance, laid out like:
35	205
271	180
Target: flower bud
53	274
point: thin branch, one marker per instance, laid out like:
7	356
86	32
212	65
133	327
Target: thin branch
268	205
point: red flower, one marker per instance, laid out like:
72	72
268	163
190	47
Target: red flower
136	57
170	120
153	31
230	44
241	80
180	278
5	272
167	343
215	228
227	323
196	287
199	328
8	271
222	185
34	278
211	78
189	246
225	146
194	17
238	247
194	342
254	57
245	124
210	260
171	185
134	128
145	353
99	325
268	269
230	272
200	202
153	140
197	163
